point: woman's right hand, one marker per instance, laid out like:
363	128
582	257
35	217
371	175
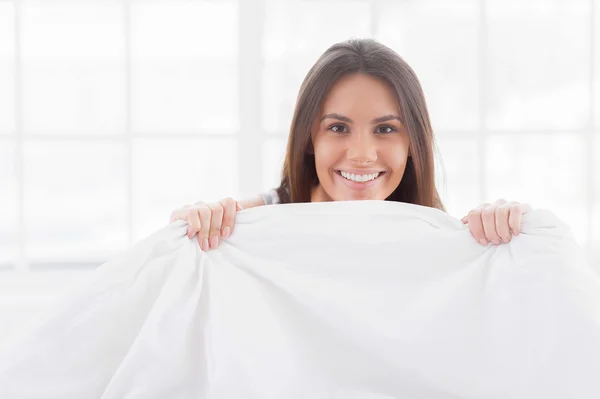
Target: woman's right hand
210	221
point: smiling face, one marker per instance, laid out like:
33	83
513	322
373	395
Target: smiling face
360	145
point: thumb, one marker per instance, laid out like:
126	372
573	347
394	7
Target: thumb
238	206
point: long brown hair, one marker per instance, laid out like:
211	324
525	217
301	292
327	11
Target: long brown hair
369	57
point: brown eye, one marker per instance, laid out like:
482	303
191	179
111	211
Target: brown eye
385	129
338	128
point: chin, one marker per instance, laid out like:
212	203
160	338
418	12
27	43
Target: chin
356	197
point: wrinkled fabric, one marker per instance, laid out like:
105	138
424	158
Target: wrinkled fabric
367	299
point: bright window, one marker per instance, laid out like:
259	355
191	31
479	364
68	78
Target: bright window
114	112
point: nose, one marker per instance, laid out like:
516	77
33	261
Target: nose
362	148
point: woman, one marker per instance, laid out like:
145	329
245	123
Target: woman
360	131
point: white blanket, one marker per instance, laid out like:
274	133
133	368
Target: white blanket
364	299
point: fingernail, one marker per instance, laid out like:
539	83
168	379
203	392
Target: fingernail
517	232
226	232
483	241
506	240
214	242
204	245
495	242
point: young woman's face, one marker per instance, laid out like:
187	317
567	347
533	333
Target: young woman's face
360	145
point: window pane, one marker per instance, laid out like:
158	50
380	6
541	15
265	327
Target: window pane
296	34
73	67
539	56
594	243
281	81
597	65
175	97
273	156
75	200
8	203
7	68
546	171
183	79
439	40
458	184
596	207
168	174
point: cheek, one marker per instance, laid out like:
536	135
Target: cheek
396	157
326	155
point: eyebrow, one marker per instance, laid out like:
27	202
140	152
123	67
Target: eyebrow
343	118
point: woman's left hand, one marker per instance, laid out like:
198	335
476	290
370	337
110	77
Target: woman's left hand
496	222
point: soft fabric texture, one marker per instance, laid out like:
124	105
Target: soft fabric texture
364	299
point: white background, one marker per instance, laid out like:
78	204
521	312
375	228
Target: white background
113	113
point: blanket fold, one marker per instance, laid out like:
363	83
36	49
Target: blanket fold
366	299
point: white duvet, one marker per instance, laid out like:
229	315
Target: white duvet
332	300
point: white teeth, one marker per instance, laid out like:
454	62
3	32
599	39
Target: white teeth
359	178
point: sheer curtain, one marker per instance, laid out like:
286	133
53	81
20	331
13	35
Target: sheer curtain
113	113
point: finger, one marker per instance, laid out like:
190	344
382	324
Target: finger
501	201
488	218
475	225
502	223
480	207
515	217
216	222
204	213
193	221
229	212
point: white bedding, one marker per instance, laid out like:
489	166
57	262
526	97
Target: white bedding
366	299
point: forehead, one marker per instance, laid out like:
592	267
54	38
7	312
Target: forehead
360	94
